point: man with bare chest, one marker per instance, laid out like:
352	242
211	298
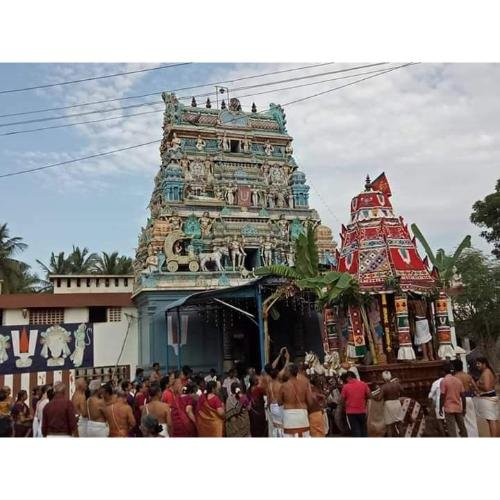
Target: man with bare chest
487	404
295	397
159	410
96	425
471	389
275	409
79	400
119	416
393	415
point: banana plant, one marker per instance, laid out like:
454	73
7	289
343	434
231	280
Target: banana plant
307	275
444	263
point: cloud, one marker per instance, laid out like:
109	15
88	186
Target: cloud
433	128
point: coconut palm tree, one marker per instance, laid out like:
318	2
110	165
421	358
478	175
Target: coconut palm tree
81	261
114	264
58	264
10	269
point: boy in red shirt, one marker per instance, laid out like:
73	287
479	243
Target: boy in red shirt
354	394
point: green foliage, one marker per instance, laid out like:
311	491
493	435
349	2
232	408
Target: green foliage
444	263
486	214
328	287
477	308
306	253
15	274
114	264
278	270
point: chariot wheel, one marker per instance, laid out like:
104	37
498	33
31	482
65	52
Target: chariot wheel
172	266
194	266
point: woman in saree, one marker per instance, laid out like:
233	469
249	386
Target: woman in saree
237	419
210	413
182	411
258	422
21	415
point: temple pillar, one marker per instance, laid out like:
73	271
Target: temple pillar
445	349
405	351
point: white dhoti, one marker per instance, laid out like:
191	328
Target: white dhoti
36	427
58	436
470	418
97	429
393	412
296	423
82	427
270	426
276	414
164	431
422	332
487	407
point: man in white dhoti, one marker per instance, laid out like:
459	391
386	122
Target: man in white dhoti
393	415
470	387
295	396
487	404
96	425
434	396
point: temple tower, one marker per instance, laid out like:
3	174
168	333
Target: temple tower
228	198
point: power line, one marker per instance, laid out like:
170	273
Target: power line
16	132
347	84
149	94
151	103
81	80
74	160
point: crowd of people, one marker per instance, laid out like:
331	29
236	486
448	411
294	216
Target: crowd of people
282	401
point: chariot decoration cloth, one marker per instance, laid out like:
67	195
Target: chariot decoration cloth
376	245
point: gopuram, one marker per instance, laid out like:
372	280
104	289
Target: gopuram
228	198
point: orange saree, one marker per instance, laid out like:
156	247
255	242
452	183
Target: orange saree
208	421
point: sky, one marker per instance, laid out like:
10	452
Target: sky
432	128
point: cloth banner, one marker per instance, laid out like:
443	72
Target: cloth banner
32	348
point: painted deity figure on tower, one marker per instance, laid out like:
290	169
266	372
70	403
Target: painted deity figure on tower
289	149
230	194
175	143
200	143
266	251
246	144
205	224
283	225
224	143
175	221
268	148
255	196
151	264
237	252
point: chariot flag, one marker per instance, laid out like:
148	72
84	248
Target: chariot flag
381	184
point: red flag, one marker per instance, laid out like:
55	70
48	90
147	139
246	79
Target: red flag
381	184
